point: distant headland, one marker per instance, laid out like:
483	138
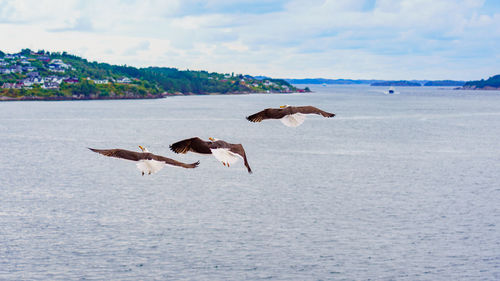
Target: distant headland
41	75
492	83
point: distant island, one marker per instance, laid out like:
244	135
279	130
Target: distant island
330	81
42	75
445	83
373	82
401	83
492	83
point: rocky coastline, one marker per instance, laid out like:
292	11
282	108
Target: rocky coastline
125	97
485	88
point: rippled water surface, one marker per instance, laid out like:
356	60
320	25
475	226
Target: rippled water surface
394	187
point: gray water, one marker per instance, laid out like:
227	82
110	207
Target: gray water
403	187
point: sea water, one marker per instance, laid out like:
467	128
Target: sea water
403	187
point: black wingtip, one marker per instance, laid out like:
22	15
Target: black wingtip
252	119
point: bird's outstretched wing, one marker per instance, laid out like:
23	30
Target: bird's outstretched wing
238	149
311	110
268	113
120	153
173	162
193	144
137	156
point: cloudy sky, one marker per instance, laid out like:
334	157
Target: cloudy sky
359	39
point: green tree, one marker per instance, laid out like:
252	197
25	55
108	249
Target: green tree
25	52
85	88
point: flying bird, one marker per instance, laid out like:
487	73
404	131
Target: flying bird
225	152
291	116
147	162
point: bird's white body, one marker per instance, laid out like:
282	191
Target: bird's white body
149	166
293	120
225	156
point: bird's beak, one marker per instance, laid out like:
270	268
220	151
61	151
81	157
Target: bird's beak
142	148
210	138
282	106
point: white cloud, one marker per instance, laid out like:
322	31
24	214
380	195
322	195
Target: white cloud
141	47
236	46
79	24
